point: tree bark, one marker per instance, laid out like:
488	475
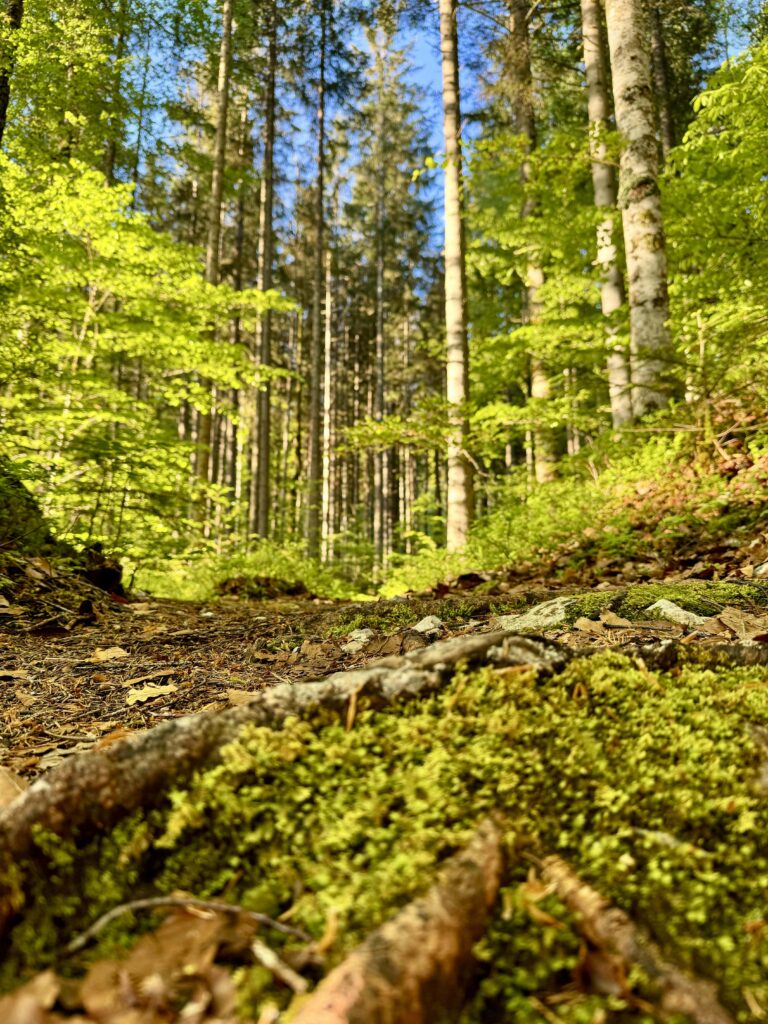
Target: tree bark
205	438
459	497
640	202
315	467
518	68
264	283
661	82
14	10
110	157
612	293
379	485
416	968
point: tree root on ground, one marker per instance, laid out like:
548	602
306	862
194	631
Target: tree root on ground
415	968
612	932
94	791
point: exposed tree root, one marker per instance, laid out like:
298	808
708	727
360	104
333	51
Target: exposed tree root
415	968
94	791
613	932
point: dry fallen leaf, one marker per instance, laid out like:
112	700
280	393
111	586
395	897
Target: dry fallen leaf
11	786
162	674
17	674
28	1004
139	696
12	609
610	618
589	626
239	698
108	654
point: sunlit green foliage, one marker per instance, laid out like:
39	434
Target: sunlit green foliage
108	328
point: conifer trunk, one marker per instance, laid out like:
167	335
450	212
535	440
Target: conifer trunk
328	414
521	83
315	467
110	157
640	202
612	293
205	437
264	283
14	11
661	82
459	493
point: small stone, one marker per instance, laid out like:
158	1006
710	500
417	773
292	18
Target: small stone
357	640
674	613
431	624
548	615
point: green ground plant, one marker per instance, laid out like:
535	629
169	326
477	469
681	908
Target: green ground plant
647	782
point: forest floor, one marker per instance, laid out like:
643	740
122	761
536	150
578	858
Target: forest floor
81	670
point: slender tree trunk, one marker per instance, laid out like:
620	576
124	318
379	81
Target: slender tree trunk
315	468
110	157
459	497
521	88
661	82
612	295
380	497
640	202
214	211
266	256
140	131
328	411
14	11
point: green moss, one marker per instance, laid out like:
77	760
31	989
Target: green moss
645	782
702	597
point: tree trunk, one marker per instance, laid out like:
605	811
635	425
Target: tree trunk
328	413
110	157
264	282
315	468
612	294
379	498
640	202
518	67
14	11
205	439
661	82
459	497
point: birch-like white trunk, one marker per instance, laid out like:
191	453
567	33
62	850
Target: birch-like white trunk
640	202
612	294
459	496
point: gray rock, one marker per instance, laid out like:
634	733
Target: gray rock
430	625
674	613
357	640
548	615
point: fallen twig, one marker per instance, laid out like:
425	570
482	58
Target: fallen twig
268	958
612	930
186	903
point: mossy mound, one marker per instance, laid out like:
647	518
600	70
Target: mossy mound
700	596
650	784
